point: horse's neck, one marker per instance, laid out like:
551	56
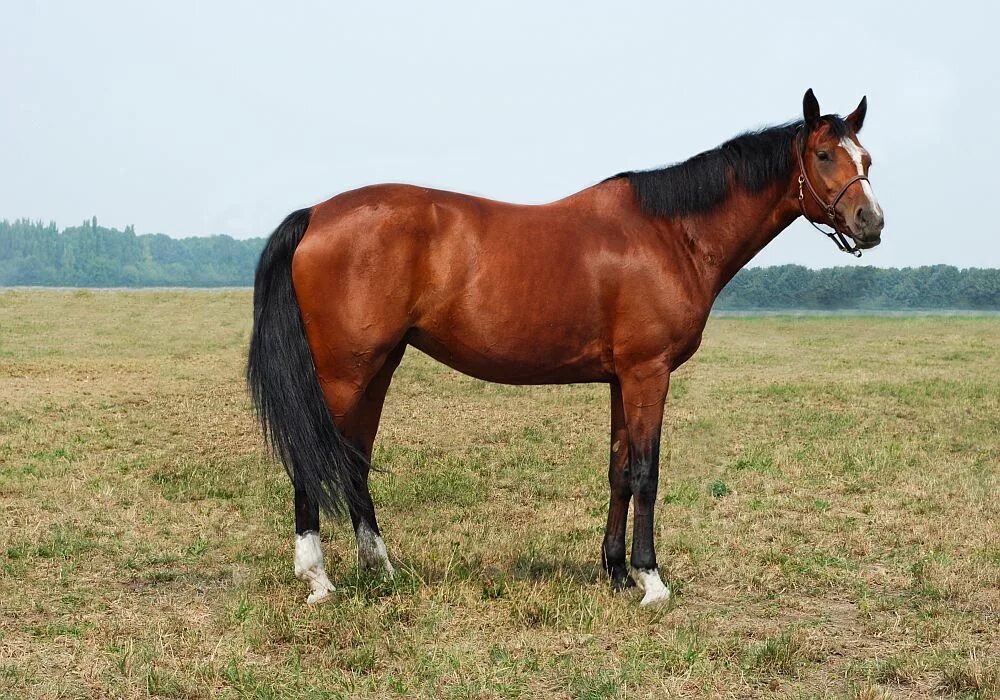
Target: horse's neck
729	237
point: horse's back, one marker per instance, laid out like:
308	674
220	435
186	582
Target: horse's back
403	236
465	279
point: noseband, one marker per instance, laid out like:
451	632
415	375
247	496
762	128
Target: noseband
840	239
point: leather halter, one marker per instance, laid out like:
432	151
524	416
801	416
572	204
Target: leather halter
836	235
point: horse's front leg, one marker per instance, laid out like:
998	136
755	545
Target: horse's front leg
644	392
613	548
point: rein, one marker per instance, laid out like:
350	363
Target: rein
839	239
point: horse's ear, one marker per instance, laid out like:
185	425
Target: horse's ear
810	109
856	119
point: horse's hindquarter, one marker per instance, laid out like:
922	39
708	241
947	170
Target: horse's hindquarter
508	293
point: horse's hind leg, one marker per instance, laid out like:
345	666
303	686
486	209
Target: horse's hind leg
371	548
309	565
356	413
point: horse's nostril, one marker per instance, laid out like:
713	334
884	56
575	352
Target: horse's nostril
859	215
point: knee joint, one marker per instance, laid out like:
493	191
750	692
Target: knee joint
644	480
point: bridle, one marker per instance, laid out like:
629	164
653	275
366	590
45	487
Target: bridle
839	238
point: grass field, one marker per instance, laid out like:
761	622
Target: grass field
829	520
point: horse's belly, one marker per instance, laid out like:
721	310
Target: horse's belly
510	359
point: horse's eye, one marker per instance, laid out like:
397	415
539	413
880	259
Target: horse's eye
822	155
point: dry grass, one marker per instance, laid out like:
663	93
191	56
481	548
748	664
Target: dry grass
828	520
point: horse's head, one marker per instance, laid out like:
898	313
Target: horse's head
834	169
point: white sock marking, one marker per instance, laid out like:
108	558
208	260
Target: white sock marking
654	590
371	550
309	566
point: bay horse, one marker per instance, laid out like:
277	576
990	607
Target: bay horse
613	284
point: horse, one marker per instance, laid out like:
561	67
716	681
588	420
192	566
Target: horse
612	285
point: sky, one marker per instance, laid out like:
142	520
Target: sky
196	118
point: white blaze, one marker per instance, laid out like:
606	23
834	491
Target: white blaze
857	155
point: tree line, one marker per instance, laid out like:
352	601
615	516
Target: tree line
855	287
89	255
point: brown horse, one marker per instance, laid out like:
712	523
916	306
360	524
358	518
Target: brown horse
613	284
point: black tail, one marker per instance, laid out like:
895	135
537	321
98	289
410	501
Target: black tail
282	380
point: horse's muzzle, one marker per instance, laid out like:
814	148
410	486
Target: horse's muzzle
867	227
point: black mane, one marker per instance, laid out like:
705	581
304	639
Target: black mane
755	159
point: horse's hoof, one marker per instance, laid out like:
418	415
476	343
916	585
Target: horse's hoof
371	551
622	583
379	567
651	598
320	595
655	592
